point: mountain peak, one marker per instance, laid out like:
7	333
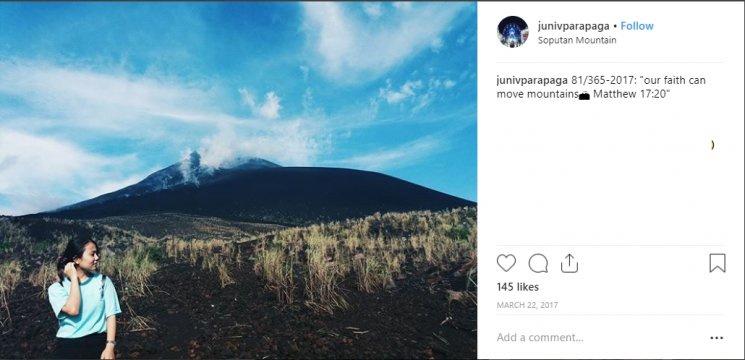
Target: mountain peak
194	171
277	195
190	171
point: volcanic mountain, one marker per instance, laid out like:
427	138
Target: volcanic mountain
260	191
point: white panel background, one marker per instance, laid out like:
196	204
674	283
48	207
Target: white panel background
595	177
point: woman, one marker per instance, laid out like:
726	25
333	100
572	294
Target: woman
85	304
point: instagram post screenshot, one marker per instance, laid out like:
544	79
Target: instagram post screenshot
253	180
323	180
611	180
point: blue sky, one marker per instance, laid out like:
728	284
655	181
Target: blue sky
96	96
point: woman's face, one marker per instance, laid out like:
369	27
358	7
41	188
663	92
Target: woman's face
89	261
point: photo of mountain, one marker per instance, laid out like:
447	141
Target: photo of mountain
263	180
260	191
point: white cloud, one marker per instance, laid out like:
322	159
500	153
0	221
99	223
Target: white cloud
34	168
73	106
112	185
51	160
406	90
398	157
291	143
105	101
373	10
31	203
401	5
310	108
353	49
436	44
414	92
271	106
308	101
268	110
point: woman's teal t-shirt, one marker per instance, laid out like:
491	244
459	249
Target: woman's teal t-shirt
98	301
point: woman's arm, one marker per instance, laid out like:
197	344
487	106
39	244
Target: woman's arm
72	305
108	352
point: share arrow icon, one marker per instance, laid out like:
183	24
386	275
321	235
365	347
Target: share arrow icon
569	266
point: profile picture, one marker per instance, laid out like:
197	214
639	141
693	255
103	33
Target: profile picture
513	31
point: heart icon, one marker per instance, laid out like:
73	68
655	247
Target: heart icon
506	262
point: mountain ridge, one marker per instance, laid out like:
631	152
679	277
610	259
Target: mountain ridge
183	172
257	190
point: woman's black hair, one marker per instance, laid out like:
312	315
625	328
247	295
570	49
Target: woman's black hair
75	248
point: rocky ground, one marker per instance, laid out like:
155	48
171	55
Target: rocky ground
191	316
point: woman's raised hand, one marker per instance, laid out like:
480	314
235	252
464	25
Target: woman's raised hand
71	271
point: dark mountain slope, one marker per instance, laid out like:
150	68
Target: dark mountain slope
283	195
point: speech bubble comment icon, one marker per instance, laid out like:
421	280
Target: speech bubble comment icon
538	263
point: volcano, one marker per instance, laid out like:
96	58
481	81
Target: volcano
257	190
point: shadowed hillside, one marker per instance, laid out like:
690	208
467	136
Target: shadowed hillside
278	195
